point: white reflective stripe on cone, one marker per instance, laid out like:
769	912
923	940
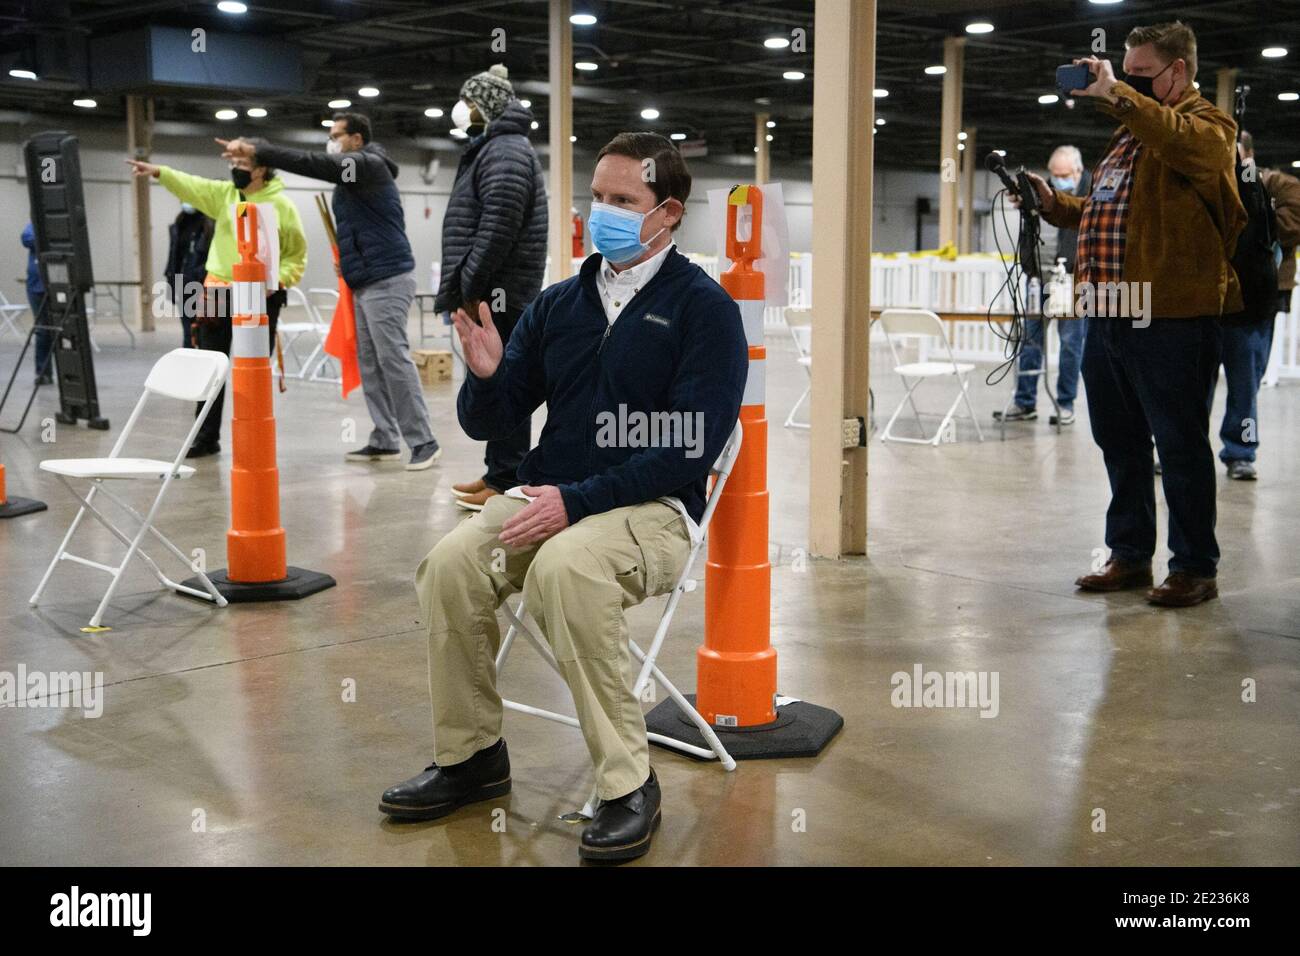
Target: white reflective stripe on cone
250	299
249	341
751	314
756	383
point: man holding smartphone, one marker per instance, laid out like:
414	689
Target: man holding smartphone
1161	221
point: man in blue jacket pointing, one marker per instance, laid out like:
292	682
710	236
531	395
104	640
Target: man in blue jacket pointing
641	361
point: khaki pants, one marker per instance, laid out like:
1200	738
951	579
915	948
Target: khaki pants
577	585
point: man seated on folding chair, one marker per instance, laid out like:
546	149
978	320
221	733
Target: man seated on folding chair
639	338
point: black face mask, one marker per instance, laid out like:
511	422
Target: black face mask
1146	85
242	178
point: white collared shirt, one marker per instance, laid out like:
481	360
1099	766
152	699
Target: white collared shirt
616	291
618	288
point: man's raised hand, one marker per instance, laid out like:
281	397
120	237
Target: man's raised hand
479	340
141	168
237	148
1103	78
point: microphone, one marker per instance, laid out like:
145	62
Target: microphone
994	162
1019	187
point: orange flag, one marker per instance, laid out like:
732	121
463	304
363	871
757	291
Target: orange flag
342	339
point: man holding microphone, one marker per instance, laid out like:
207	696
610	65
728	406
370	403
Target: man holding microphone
1163	215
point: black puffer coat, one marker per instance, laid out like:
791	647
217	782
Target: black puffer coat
494	233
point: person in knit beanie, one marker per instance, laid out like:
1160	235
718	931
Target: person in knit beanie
488	92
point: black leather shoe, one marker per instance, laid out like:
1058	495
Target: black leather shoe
440	790
622	828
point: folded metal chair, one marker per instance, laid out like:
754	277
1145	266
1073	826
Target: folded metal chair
649	668
900	324
188	375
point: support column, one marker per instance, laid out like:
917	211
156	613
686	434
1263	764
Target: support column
843	120
762	161
139	144
954	49
560	174
1227	84
967	191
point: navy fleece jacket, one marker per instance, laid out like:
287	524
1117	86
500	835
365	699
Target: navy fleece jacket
678	346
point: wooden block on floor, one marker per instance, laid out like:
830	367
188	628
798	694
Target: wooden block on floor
434	365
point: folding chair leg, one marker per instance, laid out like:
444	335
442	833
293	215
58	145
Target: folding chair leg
965	392
215	595
63	547
789	419
887	434
916	412
943	425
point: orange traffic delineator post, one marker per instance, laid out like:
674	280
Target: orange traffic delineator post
13	507
255	543
736	665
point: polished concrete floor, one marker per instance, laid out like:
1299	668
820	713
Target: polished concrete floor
1121	735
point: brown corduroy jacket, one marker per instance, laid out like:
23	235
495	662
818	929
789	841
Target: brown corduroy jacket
1184	213
1284	190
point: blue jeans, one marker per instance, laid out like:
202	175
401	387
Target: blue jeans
1072	333
1146	383
44	337
1245	357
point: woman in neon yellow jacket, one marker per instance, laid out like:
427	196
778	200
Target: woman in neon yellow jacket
215	198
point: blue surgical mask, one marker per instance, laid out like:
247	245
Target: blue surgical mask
1063	184
616	233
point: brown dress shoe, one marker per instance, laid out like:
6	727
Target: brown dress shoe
466	488
476	502
1183	590
1116	576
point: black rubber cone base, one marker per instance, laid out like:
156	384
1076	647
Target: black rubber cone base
13	507
801	729
296	585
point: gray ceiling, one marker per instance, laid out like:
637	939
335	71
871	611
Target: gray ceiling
702	64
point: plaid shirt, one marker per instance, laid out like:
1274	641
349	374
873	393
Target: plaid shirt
1100	256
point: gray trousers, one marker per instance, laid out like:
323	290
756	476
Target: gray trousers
388	375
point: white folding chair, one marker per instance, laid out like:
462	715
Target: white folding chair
189	375
9	313
310	327
799	321
323	301
903	324
649	668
